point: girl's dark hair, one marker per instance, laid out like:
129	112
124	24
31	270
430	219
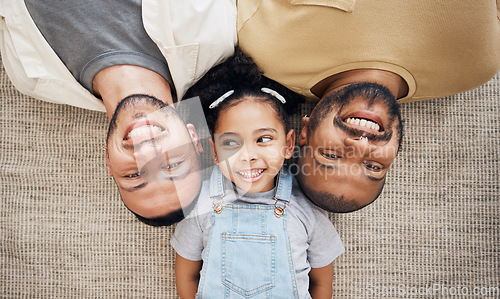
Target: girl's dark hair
241	74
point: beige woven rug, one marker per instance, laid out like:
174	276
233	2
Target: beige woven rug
64	232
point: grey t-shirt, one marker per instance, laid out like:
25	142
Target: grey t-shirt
313	238
91	35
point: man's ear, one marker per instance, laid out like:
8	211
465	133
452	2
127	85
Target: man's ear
196	140
303	131
212	150
107	161
290	144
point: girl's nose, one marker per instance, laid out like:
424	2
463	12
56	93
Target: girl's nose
247	154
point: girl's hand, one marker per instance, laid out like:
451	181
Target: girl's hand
187	276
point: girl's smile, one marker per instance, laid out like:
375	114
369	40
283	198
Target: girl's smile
251	175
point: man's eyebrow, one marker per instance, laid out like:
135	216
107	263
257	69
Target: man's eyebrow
135	188
374	179
324	165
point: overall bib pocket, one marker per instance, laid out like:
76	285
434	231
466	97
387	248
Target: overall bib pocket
248	276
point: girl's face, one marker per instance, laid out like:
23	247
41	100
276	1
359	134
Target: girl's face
250	145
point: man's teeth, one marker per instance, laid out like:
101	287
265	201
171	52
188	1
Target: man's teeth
251	173
363	123
144	131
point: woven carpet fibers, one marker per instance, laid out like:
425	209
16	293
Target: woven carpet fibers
64	232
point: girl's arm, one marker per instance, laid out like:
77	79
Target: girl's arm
320	282
187	276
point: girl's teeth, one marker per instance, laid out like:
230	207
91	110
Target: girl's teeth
363	123
251	173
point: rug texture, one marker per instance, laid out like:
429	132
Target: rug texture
434	232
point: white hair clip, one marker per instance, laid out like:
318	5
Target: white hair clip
220	99
274	94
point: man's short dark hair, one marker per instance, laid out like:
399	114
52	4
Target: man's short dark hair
162	220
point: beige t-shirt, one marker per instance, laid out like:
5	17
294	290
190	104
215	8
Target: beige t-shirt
439	47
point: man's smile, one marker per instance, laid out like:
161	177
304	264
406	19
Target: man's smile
366	121
143	130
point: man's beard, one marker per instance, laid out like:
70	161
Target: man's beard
374	94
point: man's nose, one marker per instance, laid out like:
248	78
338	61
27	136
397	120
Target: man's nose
147	153
360	144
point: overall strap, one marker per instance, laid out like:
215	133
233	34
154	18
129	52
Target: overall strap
283	191
216	183
284	185
217	188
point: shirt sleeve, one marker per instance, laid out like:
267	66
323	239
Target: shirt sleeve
187	239
325	243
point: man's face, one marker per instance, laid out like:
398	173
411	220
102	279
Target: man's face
154	158
338	170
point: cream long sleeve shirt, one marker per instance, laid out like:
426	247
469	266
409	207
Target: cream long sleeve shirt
192	35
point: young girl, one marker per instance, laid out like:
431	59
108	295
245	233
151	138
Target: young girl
253	233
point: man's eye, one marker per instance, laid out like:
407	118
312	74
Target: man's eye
171	166
331	156
133	175
373	166
136	174
264	139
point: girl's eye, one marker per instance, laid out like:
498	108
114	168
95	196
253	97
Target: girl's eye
264	139
373	166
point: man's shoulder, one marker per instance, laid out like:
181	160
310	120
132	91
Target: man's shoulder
203	203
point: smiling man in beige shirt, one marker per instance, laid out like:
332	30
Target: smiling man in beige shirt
393	50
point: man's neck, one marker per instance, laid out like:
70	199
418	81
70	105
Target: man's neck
396	85
115	83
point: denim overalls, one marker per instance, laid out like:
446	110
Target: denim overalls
248	253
